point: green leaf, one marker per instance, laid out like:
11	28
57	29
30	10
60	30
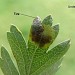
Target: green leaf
4	67
18	46
32	59
53	69
6	63
48	21
37	60
42	60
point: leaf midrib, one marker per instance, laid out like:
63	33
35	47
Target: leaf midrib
32	60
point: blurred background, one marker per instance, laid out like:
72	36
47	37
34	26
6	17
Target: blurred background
61	14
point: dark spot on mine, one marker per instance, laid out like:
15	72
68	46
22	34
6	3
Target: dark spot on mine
38	37
44	40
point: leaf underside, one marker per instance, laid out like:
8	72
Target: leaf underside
31	59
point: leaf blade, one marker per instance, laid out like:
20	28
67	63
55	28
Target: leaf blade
48	20
6	70
47	59
53	69
8	67
18	46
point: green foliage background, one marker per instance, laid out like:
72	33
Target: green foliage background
61	14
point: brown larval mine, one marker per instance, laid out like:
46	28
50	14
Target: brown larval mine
38	37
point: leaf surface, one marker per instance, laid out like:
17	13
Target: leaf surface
51	70
48	20
6	63
32	59
18	46
42	59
